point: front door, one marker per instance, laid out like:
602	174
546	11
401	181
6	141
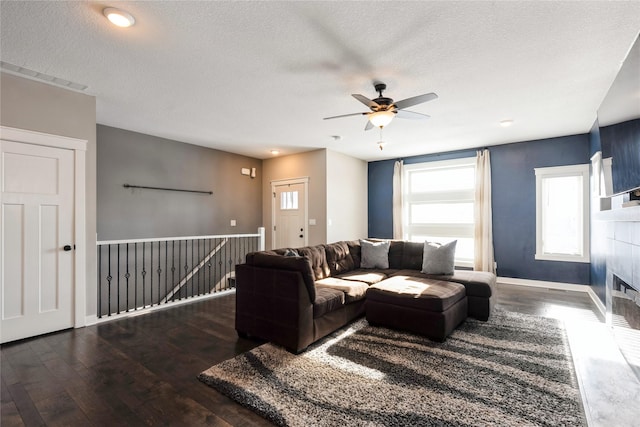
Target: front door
36	251
289	221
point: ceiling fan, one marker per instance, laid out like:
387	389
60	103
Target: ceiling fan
383	109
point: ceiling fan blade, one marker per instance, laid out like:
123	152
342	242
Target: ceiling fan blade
412	115
369	125
415	100
366	101
345	115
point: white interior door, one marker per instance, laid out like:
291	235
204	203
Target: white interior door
290	216
37	222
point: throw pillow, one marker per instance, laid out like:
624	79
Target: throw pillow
291	252
439	259
374	254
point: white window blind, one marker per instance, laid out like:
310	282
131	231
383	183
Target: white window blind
439	204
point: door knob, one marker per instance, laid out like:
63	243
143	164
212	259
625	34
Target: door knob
301	236
67	248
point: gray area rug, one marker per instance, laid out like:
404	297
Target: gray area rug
514	370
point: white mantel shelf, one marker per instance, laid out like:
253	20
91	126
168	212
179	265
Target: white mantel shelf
632	213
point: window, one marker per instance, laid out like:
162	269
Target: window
289	200
439	204
562	206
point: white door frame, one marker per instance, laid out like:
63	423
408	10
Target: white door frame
278	182
79	146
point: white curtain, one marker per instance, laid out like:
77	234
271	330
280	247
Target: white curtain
398	171
483	235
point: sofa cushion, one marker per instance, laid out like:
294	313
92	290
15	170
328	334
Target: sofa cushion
374	254
249	258
339	258
417	292
396	249
327	300
318	258
352	289
414	273
356	252
478	283
272	260
412	254
439	259
368	276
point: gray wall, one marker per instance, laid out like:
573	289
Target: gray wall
31	105
139	159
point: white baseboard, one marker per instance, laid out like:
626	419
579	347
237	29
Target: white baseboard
556	285
597	302
543	284
90	320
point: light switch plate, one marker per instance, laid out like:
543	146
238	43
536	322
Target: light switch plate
233	222
312	222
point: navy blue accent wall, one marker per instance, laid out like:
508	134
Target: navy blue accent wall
380	199
513	203
513	192
598	232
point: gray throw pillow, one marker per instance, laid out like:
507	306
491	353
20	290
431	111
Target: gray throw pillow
374	254
439	259
291	252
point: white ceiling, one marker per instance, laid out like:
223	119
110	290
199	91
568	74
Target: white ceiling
248	77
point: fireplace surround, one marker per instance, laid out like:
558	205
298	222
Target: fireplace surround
625	304
621	250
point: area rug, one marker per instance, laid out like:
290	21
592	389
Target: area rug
514	370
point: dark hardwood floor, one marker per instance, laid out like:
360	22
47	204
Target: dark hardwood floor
142	370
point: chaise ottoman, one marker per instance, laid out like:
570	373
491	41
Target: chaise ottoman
429	307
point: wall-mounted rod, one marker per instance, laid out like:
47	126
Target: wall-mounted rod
166	189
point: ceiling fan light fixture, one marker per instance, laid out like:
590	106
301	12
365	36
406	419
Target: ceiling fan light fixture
381	119
119	17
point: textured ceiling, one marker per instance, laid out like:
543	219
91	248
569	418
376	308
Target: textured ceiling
248	77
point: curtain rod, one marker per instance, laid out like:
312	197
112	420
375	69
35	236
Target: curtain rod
166	189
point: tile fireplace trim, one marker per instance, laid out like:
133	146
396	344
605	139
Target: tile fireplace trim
631	214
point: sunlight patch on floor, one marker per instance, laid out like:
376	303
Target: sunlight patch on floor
562	312
322	354
609	387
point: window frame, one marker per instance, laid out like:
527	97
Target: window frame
455	230
582	171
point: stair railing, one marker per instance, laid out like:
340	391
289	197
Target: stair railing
142	274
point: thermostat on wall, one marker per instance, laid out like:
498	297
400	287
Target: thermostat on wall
245	171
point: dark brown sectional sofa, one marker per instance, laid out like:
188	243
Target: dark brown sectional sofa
295	300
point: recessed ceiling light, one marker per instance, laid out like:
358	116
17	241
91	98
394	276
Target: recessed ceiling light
119	17
275	152
506	123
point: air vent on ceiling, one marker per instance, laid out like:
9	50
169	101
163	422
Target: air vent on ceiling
16	69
